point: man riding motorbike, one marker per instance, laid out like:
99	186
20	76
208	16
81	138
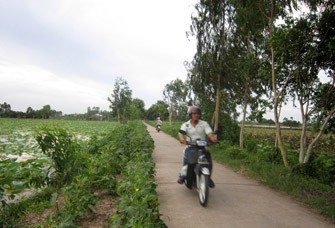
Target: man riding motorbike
195	128
158	123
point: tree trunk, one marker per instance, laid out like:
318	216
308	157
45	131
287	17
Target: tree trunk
303	137
118	116
276	95
316	139
245	103
217	105
276	115
170	115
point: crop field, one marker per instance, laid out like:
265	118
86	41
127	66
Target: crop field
17	135
54	173
20	152
291	137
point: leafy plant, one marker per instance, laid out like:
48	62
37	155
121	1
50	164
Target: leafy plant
16	177
62	148
84	165
138	202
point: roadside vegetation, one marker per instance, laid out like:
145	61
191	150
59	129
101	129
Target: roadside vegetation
246	64
66	179
312	184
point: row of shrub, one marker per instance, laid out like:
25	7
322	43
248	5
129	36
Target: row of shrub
118	162
138	202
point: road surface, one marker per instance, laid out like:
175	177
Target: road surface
235	202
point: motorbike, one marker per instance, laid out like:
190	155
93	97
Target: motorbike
198	170
158	128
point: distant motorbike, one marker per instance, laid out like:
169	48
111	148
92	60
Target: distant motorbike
158	128
197	170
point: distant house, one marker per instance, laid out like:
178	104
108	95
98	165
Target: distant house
97	117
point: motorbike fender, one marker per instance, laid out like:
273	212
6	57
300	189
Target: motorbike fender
205	171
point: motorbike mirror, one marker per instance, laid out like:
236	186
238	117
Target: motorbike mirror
182	132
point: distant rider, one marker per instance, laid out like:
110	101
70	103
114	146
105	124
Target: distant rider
196	129
158	122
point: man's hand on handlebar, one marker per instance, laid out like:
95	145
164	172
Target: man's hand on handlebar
183	141
213	138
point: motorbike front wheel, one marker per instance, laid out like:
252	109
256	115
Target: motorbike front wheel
203	189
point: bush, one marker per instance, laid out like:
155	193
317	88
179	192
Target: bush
64	151
325	168
138	202
236	152
321	166
229	129
251	145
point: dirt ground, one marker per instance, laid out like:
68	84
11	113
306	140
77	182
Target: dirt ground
97	218
101	214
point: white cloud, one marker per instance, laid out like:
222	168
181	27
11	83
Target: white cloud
68	53
38	87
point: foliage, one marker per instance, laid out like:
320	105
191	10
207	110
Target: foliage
104	154
325	103
159	109
291	136
138	203
175	94
242	50
16	177
321	167
229	129
45	113
290	123
140	108
59	145
120	99
12	215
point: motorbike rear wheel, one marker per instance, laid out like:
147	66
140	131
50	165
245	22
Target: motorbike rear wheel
203	190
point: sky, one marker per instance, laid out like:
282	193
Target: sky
68	54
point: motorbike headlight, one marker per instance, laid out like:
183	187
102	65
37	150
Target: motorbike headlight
201	143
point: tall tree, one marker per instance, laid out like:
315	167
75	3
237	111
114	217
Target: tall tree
30	113
210	72
120	98
140	106
160	109
299	44
271	10
175	94
5	110
45	111
248	45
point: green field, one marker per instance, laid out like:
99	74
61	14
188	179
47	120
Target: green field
291	138
70	166
17	135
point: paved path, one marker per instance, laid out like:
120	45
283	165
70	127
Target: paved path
235	202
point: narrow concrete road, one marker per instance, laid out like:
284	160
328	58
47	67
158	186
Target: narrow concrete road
235	202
